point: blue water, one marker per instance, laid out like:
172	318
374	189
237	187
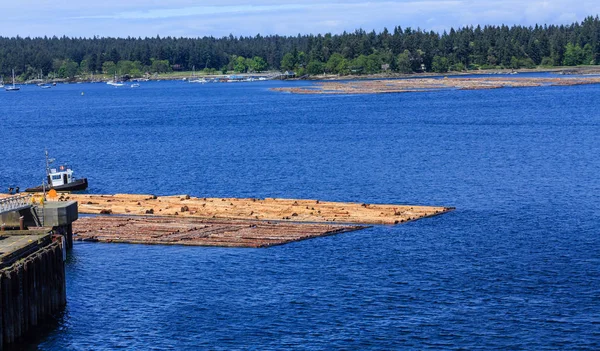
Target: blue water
516	266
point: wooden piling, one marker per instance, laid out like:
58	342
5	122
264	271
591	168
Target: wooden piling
31	289
7	322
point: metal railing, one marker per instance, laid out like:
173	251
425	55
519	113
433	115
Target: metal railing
15	202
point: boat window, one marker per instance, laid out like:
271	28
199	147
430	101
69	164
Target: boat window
56	177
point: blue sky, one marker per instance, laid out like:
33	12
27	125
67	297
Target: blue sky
220	18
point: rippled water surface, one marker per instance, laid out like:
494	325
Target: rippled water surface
516	266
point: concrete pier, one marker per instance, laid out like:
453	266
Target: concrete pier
28	211
32	282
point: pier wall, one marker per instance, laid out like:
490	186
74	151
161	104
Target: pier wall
32	287
56	215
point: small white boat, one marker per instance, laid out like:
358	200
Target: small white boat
135	85
60	178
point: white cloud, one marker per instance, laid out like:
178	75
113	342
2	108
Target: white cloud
218	18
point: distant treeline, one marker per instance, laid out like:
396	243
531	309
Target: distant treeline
400	50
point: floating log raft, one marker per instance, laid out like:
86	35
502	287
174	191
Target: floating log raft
269	209
198	232
250	222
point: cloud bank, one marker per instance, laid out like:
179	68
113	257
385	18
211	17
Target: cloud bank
187	18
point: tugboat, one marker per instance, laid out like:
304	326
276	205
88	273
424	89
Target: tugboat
60	179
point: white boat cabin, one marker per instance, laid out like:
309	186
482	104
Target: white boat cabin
60	176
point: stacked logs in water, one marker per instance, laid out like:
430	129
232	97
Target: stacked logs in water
31	290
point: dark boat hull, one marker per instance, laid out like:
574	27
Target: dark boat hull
79	184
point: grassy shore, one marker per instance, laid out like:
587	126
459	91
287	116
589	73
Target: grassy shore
181	75
540	69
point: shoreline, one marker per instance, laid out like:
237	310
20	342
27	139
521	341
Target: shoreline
181	76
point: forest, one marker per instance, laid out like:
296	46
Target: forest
402	50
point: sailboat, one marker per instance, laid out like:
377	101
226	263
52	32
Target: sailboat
194	79
13	87
42	84
1	82
115	82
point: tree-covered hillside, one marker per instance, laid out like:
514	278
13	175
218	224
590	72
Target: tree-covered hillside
402	50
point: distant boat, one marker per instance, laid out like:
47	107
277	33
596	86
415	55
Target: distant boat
135	85
13	87
1	82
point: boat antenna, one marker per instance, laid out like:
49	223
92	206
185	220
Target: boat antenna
47	162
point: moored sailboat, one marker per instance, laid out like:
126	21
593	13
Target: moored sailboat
13	87
115	82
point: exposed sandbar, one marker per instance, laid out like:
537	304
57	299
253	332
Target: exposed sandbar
433	84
